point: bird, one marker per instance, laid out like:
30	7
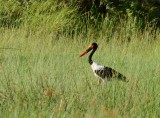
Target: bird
104	73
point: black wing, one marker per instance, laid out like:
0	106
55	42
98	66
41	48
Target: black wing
109	73
104	73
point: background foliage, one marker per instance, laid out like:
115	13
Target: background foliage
16	12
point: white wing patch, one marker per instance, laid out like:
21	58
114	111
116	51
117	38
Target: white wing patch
96	66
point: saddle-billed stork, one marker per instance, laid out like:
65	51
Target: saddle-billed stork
103	73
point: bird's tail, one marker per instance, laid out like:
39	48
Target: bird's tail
119	76
122	77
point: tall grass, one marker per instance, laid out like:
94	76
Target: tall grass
41	74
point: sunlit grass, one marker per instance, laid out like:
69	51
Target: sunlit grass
41	76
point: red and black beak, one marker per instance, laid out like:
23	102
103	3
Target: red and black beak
86	51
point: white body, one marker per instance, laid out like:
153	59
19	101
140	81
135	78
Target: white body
96	66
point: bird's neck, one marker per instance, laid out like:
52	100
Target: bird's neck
90	56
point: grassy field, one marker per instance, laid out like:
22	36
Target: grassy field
42	75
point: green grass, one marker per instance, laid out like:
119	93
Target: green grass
42	76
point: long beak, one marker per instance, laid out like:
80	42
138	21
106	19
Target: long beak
86	51
83	53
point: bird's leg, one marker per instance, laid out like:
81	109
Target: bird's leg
102	81
105	81
99	81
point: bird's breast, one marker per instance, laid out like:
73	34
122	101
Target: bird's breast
96	66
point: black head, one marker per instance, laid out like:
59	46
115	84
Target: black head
94	45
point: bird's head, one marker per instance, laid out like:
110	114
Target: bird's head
92	46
